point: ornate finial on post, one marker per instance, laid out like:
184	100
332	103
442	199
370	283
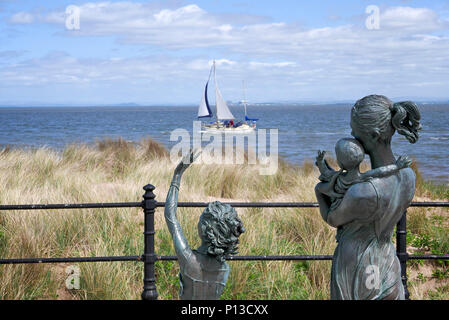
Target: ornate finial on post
149	256
149	188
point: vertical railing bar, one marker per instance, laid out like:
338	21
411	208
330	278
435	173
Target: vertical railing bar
149	257
401	251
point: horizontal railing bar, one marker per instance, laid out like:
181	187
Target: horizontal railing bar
71	260
428	257
174	258
72	206
260	258
248	204
314	257
288	204
429	204
186	205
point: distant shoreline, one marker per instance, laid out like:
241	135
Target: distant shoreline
231	103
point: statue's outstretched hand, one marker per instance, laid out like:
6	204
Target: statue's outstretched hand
187	161
320	156
403	162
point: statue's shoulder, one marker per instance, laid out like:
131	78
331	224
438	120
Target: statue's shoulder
359	203
405	178
386	187
408	183
362	190
408	173
361	196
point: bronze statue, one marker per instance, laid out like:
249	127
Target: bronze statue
365	265
204	271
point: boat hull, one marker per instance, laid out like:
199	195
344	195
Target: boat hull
227	130
220	128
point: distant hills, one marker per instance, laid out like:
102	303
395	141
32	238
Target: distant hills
232	103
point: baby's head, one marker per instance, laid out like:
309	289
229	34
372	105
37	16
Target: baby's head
349	152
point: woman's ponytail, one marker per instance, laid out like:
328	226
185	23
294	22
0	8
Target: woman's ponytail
405	119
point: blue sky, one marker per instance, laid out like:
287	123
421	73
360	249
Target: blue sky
159	52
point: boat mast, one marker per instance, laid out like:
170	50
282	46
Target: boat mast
244	97
215	83
216	104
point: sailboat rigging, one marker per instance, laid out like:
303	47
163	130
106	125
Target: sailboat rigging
224	117
245	102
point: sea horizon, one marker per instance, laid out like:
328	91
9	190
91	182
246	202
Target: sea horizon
422	102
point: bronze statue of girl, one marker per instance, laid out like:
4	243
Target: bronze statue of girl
204	271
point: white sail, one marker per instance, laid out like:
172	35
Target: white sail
204	110
244	101
223	112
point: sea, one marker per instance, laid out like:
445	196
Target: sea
302	129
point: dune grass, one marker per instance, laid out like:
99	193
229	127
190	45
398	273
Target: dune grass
114	170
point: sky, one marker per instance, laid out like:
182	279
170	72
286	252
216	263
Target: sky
160	52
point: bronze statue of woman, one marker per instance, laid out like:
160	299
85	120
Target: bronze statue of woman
204	271
365	265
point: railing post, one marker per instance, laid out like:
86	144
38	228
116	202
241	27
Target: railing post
149	256
401	250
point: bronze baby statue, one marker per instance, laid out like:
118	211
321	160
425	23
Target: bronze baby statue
204	271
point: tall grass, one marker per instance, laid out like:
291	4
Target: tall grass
115	170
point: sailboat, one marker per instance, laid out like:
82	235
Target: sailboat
224	118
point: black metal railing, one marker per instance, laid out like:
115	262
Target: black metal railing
149	257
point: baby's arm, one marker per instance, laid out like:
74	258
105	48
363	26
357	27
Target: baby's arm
326	171
327	188
401	163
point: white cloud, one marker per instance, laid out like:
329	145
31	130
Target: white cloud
22	18
410	19
255	64
182	16
192	27
223	62
410	48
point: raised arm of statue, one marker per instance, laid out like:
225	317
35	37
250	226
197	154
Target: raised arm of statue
327	172
182	248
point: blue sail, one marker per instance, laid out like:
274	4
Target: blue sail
204	106
249	119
